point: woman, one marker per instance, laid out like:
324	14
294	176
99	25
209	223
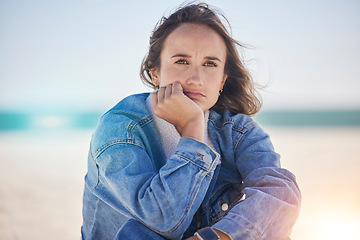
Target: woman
187	161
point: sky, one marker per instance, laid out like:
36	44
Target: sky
86	55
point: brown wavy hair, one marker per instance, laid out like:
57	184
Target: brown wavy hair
239	93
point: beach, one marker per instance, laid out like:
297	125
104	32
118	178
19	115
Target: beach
41	181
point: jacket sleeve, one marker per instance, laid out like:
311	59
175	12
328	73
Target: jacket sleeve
164	199
272	197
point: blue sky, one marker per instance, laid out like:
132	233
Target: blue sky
86	55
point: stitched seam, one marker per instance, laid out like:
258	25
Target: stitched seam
114	142
130	139
193	195
145	121
228	121
217	194
234	127
97	171
250	124
244	131
239	137
188	159
95	212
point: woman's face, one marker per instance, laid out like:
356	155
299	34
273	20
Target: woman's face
193	55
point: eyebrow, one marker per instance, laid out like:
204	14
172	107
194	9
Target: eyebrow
213	58
188	56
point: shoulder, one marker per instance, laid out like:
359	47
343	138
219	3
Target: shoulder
120	123
132	108
236	128
133	105
227	119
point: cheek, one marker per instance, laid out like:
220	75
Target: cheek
214	87
168	76
216	80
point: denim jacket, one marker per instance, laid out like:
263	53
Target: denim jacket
239	189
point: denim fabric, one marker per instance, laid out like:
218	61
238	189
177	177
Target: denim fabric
134	230
129	178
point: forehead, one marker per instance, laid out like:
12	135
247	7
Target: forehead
195	37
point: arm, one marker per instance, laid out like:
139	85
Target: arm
272	201
164	200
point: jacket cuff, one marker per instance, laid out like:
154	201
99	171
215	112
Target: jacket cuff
237	228
198	153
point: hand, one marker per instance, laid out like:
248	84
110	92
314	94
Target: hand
222	235
172	105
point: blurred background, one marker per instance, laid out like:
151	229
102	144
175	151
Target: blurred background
64	63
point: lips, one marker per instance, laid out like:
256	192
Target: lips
194	94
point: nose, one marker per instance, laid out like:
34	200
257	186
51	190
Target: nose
194	76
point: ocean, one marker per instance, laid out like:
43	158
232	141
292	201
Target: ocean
88	120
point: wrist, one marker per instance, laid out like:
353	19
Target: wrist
223	236
194	129
210	233
207	234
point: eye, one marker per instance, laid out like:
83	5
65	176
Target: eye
210	64
181	61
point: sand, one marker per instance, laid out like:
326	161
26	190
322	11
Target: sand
41	181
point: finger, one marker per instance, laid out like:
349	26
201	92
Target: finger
168	90
161	93
177	88
154	99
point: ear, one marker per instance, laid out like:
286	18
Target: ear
154	73
223	81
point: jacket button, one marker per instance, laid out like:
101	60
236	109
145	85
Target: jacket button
224	207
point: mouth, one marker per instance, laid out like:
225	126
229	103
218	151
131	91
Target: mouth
194	94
